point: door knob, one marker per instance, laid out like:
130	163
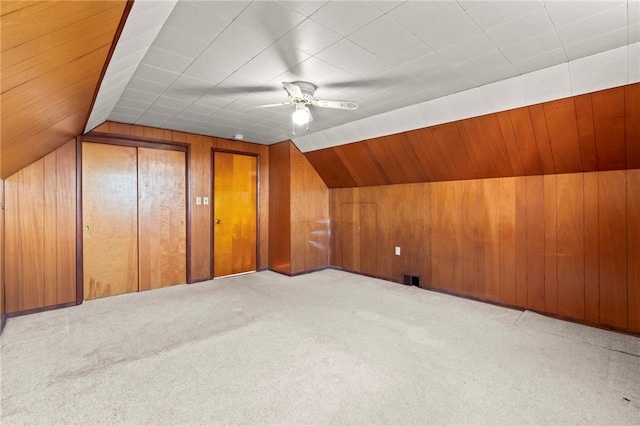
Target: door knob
217	221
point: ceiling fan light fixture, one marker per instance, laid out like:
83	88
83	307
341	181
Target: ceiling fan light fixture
301	115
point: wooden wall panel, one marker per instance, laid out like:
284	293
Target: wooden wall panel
633	248
2	298
632	125
586	132
535	243
507	241
591	248
593	132
53	55
279	208
609	126
309	215
470	239
570	245
489	237
550	245
521	241
40	239
612	220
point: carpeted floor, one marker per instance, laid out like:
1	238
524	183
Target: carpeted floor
323	348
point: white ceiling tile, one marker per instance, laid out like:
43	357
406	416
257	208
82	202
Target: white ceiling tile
148	115
122	118
353	59
270	18
546	84
481	64
521	29
597	72
495	74
633	60
490	14
469	103
424	65
344	17
471	47
156	74
503	95
129	63
172	102
409	118
446	25
310	37
633	34
538	62
593	26
185	82
192	19
596	44
140	42
436	111
229	9
380	34
441	76
533	46
566	12
137	95
305	7
191	116
282	55
415	16
128	111
121	76
386	6
405	51
150	122
207	72
243	40
146	85
166	60
162	109
145	16
182	44
222	57
260	71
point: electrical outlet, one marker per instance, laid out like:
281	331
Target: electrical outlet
205	201
397	251
198	201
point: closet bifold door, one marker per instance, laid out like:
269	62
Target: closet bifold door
109	220
162	218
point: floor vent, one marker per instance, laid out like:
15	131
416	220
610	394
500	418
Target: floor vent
411	280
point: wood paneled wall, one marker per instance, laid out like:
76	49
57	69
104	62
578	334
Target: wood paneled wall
592	132
200	185
299	211
53	54
2	308
40	240
280	208
567	245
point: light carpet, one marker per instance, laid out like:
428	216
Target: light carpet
323	348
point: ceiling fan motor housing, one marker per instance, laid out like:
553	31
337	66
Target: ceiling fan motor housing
307	90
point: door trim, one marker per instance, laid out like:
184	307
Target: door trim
211	236
136	142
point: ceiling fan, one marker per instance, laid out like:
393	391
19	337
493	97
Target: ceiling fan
301	95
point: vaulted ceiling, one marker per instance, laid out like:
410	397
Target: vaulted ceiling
194	66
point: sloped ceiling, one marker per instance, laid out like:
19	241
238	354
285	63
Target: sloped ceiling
194	66
53	54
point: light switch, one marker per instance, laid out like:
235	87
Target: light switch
205	201
397	251
198	201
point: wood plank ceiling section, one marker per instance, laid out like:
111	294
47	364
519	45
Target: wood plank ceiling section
53	54
586	133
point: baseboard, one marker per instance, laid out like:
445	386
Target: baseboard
3	321
42	309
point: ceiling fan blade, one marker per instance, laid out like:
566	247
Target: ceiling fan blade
293	90
268	105
351	105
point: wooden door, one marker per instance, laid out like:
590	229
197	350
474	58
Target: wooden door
110	220
162	218
234	213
